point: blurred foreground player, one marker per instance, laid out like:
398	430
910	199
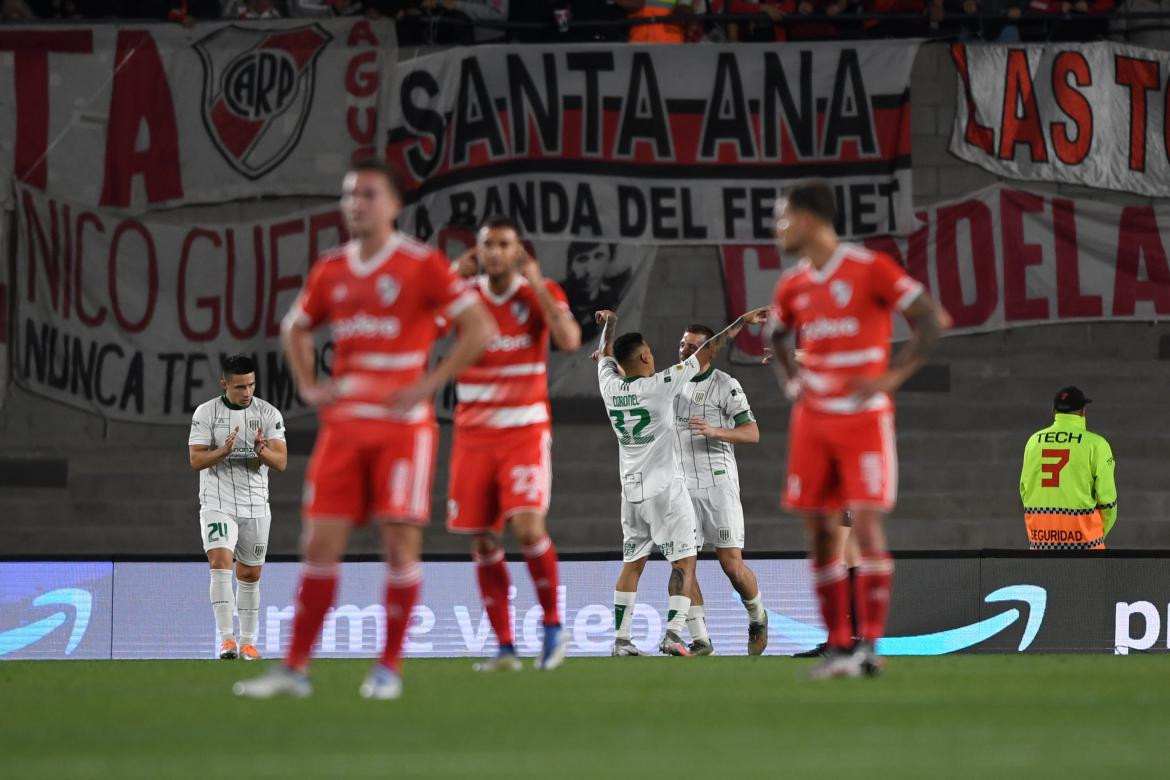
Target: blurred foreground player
235	439
501	460
380	294
841	455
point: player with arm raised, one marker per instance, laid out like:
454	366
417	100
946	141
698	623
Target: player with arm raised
235	439
712	415
380	295
655	508
502	454
841	452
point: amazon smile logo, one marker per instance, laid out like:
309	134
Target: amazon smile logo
941	642
15	639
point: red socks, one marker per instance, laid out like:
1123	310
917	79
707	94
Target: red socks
492	573
541	557
314	598
874	576
832	585
402	588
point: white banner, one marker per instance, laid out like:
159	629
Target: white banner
653	144
144	116
1094	114
1003	258
130	319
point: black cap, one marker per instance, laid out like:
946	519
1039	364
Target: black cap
1070	399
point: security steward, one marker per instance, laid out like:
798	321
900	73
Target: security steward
1067	486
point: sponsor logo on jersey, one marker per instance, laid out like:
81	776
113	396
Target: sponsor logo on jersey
842	292
501	343
666	548
339	293
830	328
800	302
258	92
520	311
388	290
365	326
629	548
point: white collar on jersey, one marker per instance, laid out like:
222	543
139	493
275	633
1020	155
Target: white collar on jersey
830	267
518	281
366	267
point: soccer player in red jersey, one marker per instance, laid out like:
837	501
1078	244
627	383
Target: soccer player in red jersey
501	459
380	295
838	301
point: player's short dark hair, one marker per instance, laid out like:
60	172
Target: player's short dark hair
626	346
701	329
237	365
379	165
500	222
815	197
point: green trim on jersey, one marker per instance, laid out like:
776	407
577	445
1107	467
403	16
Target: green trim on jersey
705	374
224	399
743	418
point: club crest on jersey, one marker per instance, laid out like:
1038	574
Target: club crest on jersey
699	397
520	312
339	293
724	535
258	92
842	292
253	424
388	290
801	301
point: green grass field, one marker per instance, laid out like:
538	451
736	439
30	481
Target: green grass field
963	716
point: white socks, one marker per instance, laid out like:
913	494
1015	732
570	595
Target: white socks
223	603
623	613
755	608
248	605
697	622
676	615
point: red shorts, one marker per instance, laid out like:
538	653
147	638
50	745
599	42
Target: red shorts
840	461
497	474
362	469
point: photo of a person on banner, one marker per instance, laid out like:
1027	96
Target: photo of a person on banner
595	278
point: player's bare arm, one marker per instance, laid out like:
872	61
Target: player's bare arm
564	330
272	453
924	319
716	343
202	456
297	341
608	322
748	433
476	329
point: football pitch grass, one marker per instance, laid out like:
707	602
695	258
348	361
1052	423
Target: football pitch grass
961	716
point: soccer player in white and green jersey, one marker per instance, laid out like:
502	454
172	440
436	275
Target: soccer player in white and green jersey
656	509
712	415
235	439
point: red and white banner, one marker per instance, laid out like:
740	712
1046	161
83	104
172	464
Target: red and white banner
130	318
653	144
1095	114
1005	257
143	116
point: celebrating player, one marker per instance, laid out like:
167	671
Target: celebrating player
501	459
234	440
380	294
712	415
656	509
841	453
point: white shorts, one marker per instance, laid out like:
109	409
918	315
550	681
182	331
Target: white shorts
666	520
718	516
247	537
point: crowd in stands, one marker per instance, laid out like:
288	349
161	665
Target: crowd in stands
470	21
